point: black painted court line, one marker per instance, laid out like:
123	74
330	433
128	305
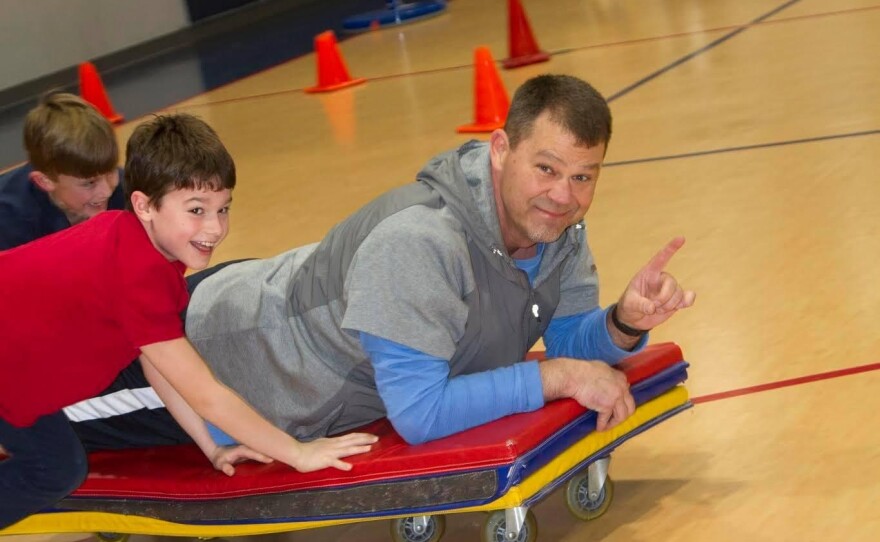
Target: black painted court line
741	148
699	51
781	20
557	52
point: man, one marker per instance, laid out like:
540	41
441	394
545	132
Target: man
71	174
422	305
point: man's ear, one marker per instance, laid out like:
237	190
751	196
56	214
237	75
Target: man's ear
141	205
499	146
42	181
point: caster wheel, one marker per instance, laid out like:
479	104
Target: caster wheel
112	537
407	530
581	504
494	528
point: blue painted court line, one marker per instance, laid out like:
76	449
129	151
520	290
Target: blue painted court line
742	148
699	51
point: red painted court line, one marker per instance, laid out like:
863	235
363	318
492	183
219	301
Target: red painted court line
786	383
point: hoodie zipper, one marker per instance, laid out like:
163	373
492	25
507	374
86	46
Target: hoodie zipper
532	310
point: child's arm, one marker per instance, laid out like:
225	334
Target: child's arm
222	457
179	363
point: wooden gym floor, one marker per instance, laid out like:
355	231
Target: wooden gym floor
751	127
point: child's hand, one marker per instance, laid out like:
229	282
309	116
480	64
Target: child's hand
224	457
325	452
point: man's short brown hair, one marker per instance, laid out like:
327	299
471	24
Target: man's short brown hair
571	102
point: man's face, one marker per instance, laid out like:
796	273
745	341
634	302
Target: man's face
79	198
544	185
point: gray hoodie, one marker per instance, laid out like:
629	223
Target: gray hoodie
423	265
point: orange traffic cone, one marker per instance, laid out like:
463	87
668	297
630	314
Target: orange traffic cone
490	97
332	73
521	42
91	89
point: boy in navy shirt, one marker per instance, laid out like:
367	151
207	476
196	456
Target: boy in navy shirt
71	173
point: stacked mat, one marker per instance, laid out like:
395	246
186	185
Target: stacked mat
511	462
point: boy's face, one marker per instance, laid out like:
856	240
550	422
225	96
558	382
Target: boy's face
79	199
188	225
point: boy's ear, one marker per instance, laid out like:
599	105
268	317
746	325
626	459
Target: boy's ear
42	181
140	204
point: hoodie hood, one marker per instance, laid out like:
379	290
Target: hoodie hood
463	178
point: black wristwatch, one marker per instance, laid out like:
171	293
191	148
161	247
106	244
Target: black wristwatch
623	328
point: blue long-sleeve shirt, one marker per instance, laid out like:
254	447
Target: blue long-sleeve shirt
423	403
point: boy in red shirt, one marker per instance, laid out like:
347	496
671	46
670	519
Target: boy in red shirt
110	289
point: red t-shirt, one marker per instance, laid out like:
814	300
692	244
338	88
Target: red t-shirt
76	308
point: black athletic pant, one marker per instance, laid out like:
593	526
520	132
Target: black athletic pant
46	463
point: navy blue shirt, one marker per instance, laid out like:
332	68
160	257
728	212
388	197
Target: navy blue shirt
27	213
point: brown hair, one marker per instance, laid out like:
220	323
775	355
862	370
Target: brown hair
572	103
175	152
65	135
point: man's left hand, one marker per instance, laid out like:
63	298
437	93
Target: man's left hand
654	295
